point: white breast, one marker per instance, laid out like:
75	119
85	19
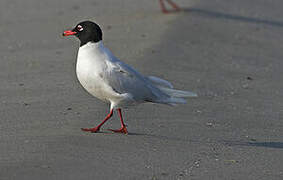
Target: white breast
91	64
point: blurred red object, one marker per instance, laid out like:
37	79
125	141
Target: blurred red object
170	2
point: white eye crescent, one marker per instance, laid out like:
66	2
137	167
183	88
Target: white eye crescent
80	28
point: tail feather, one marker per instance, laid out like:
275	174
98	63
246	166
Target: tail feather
160	82
177	93
175	96
172	101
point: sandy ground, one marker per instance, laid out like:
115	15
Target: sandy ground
229	52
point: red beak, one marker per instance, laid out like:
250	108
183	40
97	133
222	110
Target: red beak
69	33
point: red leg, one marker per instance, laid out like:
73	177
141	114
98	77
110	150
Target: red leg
163	8
174	5
96	129
123	128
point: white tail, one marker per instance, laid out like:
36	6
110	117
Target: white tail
175	96
160	82
177	93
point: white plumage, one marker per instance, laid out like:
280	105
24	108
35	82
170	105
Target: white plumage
111	80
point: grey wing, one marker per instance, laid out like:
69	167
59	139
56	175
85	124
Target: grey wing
124	79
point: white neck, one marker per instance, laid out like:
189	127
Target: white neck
95	51
92	45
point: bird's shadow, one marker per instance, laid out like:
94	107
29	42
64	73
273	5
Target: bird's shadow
277	145
220	15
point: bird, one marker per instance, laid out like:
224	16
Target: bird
109	79
170	2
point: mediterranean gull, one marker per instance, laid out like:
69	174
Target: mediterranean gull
111	80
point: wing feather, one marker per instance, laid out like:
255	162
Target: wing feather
124	79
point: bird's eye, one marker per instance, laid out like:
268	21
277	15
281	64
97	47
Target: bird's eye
80	28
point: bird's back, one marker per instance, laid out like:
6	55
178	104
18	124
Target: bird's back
106	77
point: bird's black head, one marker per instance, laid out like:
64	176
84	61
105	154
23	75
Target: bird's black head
86	31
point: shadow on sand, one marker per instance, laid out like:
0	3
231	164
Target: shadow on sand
267	144
220	15
278	145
